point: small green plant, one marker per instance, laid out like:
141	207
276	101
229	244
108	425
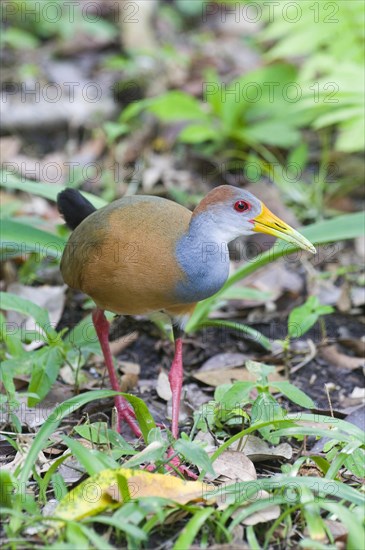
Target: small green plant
228	409
43	365
32	21
240	114
331	37
304	317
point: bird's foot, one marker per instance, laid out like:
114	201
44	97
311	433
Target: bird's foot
176	465
125	413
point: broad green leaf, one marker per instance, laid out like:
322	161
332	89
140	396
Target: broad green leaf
134	109
50	425
303	317
264	409
19	239
294	394
191	8
46	190
260	370
87	458
44	374
115	130
351	136
299	156
143	415
154	452
335	429
272	132
197	133
84	336
98	541
194	454
8	487
237	395
12	302
128	528
96	432
175	105
11	338
99	433
75	535
19	39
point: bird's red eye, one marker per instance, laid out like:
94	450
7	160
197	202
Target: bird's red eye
241	206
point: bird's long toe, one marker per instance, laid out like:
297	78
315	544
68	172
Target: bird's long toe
125	413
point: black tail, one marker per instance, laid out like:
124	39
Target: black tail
74	207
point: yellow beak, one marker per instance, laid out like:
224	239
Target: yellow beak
267	222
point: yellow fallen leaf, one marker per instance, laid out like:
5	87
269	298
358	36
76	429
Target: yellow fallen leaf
102	491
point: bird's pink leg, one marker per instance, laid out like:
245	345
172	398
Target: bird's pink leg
124	410
176	380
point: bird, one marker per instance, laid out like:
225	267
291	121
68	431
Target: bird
143	254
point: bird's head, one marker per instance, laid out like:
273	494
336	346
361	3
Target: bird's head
231	212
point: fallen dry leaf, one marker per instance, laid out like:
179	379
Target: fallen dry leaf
258	450
358	393
9	147
130	368
341	360
103	492
338	530
71	375
275	279
357	345
357	296
224	361
360	246
261	516
32	417
70	470
219	376
117	346
234	466
128	382
163	387
344	300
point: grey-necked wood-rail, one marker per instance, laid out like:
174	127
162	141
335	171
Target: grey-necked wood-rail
144	254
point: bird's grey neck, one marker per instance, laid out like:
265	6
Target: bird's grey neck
203	256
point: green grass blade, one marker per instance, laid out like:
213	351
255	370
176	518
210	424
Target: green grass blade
46	190
12	302
192	528
143	415
352	521
251	332
194	454
18	239
53	421
291	487
92	464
